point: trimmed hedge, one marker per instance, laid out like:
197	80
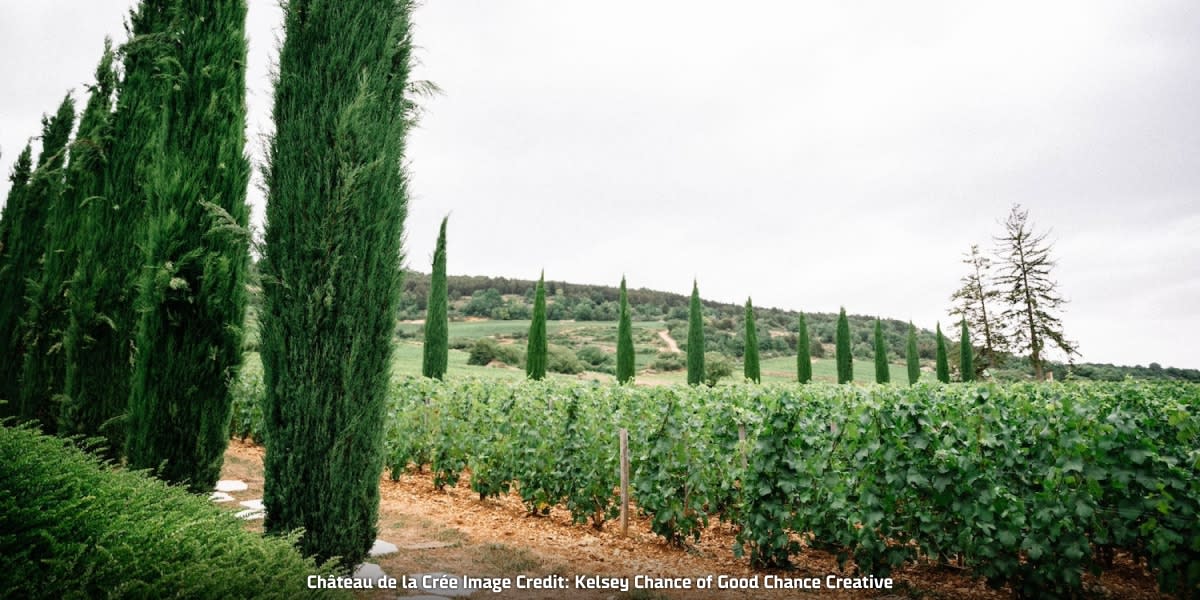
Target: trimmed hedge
72	526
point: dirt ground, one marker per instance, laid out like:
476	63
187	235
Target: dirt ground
454	532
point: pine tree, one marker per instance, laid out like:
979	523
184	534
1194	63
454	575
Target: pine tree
695	348
882	374
1031	295
625	356
332	267
192	294
943	363
437	320
911	356
100	337
845	361
976	302
966	355
750	360
12	293
803	354
27	257
536	351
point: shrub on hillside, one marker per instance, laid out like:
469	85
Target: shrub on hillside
668	361
483	351
562	360
595	358
73	527
716	367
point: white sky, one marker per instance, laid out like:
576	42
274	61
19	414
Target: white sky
811	155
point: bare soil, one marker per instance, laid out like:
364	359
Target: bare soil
453	531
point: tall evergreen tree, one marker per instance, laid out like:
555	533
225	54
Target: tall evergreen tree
27	256
976	301
625	356
943	362
966	359
882	374
803	353
79	414
332	267
911	357
695	349
845	361
536	350
103	317
12	293
1031	295
750	360
192	295
437	320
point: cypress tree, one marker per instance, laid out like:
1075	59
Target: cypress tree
332	267
966	355
100	336
535	352
192	294
27	255
911	356
882	373
12	293
437	320
625	358
750	362
85	184
803	353
845	361
943	363
695	349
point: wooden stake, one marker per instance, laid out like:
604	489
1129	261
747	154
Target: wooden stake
624	482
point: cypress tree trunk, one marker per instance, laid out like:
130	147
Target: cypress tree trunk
695	349
911	356
103	315
845	361
750	362
12	293
625	357
437	320
803	353
78	415
29	245
966	355
332	269
192	295
536	350
943	363
882	374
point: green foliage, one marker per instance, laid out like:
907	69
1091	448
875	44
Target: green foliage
249	399
12	293
73	527
717	366
695	339
668	361
882	373
625	359
536	351
803	354
911	357
437	323
332	267
966	359
750	359
44	319
560	359
943	364
845	360
192	294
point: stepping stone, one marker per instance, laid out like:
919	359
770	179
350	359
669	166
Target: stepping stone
380	547
220	497
368	571
251	515
232	485
253	504
450	586
427	545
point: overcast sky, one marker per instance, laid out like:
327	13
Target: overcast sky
811	155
